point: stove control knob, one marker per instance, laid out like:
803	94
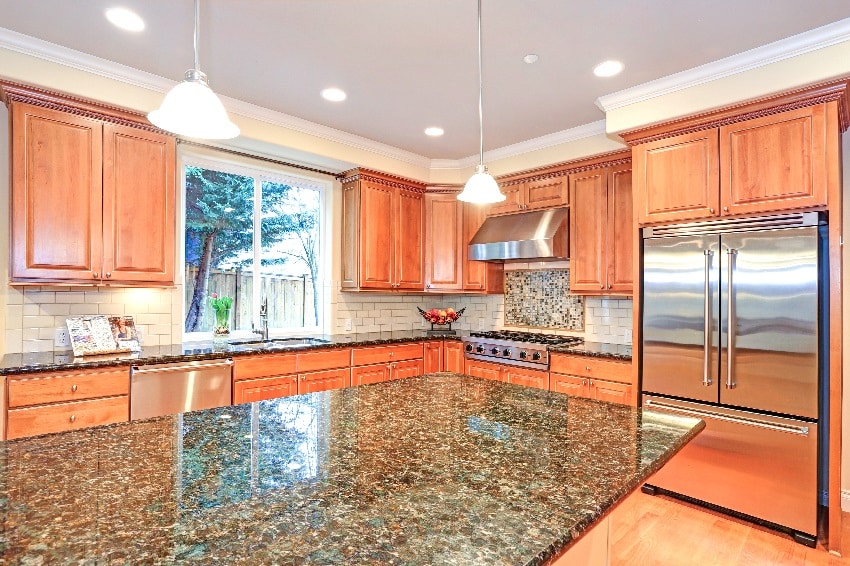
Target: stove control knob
469	347
480	349
523	355
506	352
494	351
535	356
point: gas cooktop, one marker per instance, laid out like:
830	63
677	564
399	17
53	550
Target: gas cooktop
532	337
526	349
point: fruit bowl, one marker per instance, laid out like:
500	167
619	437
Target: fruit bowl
441	317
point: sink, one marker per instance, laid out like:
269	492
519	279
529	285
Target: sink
280	342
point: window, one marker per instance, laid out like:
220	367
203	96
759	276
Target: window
252	235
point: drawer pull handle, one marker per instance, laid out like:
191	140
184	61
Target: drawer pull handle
73	388
73	418
587	368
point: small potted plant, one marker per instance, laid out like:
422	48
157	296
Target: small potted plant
221	308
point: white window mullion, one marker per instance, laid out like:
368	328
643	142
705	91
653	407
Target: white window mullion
258	221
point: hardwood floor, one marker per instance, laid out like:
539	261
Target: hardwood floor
660	530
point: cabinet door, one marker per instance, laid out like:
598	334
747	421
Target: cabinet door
588	218
433	357
266	388
485	370
410	240
610	391
527	377
453	356
514	199
376	236
568	384
56	195
547	193
481	276
621	230
677	178
408	368
138	205
363	375
443	241
776	162
314	381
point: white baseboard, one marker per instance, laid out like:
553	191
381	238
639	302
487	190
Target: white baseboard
845	500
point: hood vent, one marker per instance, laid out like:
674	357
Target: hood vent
540	236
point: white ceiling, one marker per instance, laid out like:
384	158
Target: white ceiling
409	64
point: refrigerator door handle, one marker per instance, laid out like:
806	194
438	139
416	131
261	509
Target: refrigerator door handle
698	413
706	331
731	321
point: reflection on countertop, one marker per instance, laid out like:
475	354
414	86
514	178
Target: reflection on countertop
436	469
597	350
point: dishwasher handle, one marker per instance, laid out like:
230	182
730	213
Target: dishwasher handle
179	367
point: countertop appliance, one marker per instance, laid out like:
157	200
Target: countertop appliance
167	389
524	349
733	334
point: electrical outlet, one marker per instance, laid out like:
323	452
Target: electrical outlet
627	335
480	324
348	325
60	337
140	335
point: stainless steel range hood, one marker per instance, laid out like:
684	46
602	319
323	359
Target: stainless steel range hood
540	236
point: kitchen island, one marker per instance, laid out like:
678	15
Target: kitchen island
436	469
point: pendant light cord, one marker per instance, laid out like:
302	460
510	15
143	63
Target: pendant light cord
197	25
480	95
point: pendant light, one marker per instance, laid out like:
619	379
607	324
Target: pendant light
191	108
481	188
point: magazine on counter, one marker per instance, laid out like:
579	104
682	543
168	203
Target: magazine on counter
98	334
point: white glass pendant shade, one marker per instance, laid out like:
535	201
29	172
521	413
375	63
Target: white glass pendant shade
481	188
193	110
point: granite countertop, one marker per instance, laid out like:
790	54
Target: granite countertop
14	364
437	469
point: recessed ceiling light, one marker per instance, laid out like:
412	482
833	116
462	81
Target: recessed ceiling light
608	69
434	131
531	58
125	19
334	94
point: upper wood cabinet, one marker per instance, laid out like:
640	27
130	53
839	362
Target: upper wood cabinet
765	164
92	201
536	192
383	229
444	242
602	231
478	276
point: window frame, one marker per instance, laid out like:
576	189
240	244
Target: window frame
261	171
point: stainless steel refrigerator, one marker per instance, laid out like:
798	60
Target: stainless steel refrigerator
732	334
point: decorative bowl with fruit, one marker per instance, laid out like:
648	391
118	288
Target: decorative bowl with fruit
441	317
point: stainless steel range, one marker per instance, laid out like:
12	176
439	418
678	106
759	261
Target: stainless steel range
525	349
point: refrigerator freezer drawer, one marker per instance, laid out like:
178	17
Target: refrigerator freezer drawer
755	464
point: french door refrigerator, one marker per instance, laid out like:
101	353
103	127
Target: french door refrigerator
732	334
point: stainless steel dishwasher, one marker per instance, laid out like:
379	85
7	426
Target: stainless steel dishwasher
167	389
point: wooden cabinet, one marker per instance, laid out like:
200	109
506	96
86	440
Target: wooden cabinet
760	165
257	378
527	377
444	242
580	376
54	402
537	192
383	228
479	276
315	381
484	370
453	356
382	363
602	231
433	361
364	375
81	189
252	390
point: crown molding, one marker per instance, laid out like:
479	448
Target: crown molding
818	38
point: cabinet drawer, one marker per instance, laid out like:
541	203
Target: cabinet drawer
324	380
70	386
327	359
263	366
586	366
45	419
252	390
526	377
385	354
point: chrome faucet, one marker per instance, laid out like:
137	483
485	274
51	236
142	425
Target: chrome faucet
264	319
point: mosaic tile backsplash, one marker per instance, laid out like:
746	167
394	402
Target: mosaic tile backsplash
542	299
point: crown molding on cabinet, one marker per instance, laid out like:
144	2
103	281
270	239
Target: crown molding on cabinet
818	38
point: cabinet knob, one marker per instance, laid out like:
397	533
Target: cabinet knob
609	285
587	368
428	285
73	388
73	418
301	377
108	274
601	286
95	274
711	210
584	382
725	209
590	383
392	354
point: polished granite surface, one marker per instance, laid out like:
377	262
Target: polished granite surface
440	469
191	351
596	350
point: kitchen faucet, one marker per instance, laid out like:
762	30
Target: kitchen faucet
264	319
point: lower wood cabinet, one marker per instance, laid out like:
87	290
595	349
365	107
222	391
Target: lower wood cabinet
577	375
484	370
261	389
527	377
315	381
599	389
434	356
43	403
453	356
